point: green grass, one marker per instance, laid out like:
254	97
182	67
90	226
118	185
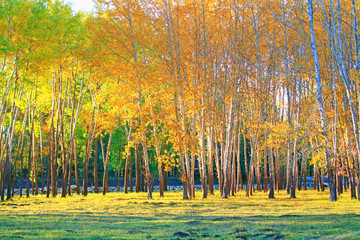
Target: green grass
132	216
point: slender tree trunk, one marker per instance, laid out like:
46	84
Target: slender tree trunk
225	190
41	159
266	153
202	155
70	170
217	161
89	140
245	159
76	168
320	100
233	179
7	172
106	161
130	174
239	180
157	149
137	169
18	151
128	156
30	155
272	174
96	155
210	160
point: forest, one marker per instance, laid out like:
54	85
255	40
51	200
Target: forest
237	95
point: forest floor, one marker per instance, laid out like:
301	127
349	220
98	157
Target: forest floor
131	216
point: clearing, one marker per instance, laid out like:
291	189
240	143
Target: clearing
132	216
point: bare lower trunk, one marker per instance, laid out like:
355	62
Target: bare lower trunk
225	190
128	156
76	168
106	161
137	170
29	158
96	154
89	140
148	177
272	173
210	160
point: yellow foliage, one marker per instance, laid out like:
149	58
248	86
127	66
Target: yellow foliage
318	158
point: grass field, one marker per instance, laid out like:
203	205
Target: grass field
132	216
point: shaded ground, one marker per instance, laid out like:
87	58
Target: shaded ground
172	181
132	216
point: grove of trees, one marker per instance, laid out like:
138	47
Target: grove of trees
254	93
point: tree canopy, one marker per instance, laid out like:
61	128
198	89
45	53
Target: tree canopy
261	94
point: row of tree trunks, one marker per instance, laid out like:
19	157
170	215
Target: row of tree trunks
234	166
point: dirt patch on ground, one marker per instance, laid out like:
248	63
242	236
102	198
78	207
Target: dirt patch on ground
181	234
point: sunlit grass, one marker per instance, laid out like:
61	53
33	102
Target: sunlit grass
131	216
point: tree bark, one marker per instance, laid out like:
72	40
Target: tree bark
320	101
96	155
